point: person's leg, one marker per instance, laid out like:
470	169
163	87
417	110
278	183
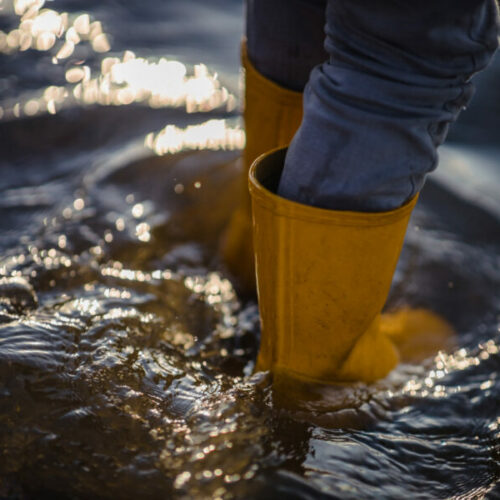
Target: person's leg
284	42
374	114
285	39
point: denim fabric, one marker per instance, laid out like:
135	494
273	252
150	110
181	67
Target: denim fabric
285	39
397	74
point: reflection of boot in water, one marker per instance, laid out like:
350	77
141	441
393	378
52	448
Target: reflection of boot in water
272	115
323	277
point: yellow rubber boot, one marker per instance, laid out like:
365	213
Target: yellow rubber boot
323	277
272	116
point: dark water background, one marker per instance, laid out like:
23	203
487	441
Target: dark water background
126	356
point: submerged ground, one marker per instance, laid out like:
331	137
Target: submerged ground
126	355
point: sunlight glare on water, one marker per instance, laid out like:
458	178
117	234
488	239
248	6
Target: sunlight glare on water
120	82
40	28
213	134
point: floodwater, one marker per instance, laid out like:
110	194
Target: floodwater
126	356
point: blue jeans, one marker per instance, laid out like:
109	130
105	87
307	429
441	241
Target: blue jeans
379	93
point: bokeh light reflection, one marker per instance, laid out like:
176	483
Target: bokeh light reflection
213	135
42	29
124	80
445	364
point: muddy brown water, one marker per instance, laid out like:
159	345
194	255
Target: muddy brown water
126	355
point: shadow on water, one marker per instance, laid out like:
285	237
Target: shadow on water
126	356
